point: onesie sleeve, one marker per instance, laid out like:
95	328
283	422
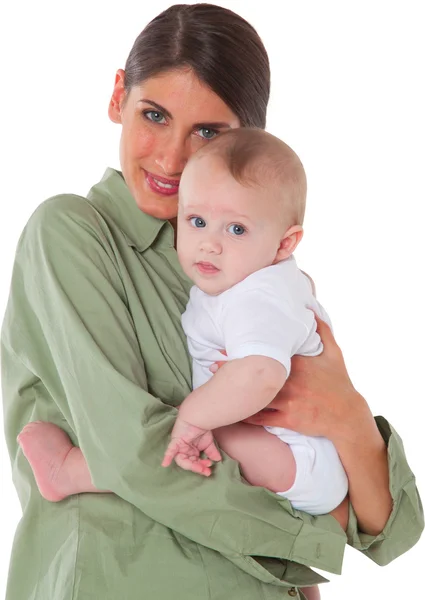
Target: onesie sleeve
262	321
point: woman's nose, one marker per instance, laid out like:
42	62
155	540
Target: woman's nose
173	156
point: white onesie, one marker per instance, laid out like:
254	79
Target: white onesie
268	314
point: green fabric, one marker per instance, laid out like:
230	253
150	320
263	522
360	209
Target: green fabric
92	341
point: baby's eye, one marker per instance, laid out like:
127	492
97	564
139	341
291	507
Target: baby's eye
197	222
236	229
207	133
155	116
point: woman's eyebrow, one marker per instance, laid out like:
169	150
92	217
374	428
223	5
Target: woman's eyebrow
157	106
213	125
218	125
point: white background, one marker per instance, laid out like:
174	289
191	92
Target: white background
347	95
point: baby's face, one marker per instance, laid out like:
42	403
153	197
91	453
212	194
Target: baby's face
226	231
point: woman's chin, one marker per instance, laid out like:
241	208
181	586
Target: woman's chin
164	208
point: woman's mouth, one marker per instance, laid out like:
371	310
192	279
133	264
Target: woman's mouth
161	185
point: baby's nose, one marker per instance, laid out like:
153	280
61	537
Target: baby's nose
211	244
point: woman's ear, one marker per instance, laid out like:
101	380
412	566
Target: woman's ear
117	98
289	242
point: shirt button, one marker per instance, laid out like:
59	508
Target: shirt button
292	592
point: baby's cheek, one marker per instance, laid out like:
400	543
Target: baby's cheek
187	266
237	271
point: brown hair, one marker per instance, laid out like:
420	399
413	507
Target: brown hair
222	48
257	158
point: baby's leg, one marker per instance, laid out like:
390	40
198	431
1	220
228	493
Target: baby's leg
340	513
265	460
59	467
311	593
268	462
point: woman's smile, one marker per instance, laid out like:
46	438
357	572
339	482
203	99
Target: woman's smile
162	185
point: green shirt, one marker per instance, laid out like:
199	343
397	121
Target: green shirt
92	341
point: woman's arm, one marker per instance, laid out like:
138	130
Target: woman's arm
363	453
320	399
75	333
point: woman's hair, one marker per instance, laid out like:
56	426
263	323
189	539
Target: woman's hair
223	49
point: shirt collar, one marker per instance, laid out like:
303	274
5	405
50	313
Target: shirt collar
112	195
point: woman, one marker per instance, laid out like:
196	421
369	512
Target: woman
92	342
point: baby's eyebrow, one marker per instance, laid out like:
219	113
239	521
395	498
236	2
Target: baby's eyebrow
193	208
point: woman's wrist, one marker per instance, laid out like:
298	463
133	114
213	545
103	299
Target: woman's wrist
364	441
355	424
365	459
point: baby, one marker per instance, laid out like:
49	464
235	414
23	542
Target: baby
241	208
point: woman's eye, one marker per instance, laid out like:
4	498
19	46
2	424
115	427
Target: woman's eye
155	116
207	133
236	229
198	222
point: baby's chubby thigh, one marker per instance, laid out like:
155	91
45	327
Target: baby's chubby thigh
264	459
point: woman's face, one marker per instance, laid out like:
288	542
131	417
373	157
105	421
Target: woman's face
164	120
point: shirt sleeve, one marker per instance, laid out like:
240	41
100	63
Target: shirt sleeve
260	321
76	335
406	522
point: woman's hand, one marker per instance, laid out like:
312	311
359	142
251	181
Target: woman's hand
318	398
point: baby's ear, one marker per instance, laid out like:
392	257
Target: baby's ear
289	242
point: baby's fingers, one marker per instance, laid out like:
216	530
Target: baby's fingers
212	452
170	454
196	465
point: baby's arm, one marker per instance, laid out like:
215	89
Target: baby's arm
241	388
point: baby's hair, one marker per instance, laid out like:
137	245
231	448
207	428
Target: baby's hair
257	158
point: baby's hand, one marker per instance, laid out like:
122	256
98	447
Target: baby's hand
187	443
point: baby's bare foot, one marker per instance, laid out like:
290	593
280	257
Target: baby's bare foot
46	448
